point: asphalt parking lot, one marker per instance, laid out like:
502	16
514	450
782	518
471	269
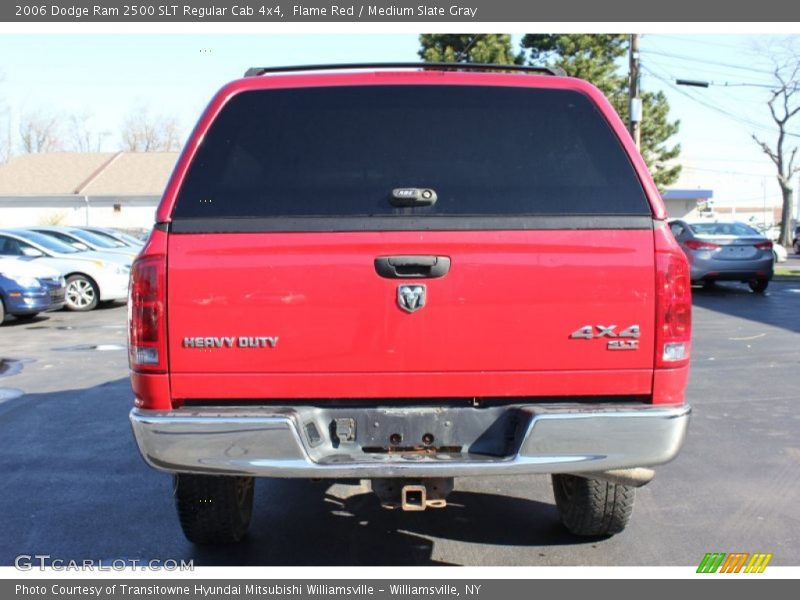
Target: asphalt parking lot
74	486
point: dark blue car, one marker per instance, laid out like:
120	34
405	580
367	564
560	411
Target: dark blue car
26	289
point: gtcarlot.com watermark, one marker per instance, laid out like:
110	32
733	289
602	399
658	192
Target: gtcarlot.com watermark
29	562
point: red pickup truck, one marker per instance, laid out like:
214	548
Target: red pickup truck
405	274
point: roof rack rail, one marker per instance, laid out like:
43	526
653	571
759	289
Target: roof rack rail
432	66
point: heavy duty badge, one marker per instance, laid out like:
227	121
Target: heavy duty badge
231	342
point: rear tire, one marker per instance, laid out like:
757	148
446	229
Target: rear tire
593	507
214	509
759	286
2	311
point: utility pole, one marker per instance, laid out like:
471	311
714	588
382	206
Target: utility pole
635	107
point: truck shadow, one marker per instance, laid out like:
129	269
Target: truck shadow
300	523
12	321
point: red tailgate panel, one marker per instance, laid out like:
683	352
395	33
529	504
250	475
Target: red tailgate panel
508	304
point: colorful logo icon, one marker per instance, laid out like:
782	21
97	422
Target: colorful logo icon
735	562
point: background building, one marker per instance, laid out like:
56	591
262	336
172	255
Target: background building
122	189
686	204
112	189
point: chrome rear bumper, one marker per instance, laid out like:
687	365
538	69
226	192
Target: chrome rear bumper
276	442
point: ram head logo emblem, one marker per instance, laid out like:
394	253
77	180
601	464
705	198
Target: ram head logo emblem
411	297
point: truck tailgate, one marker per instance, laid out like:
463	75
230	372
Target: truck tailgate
311	305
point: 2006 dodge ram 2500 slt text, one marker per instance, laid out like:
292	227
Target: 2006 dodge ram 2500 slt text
406	274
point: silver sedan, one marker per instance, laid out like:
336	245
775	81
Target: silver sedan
729	251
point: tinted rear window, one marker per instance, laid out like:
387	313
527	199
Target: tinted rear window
737	229
339	151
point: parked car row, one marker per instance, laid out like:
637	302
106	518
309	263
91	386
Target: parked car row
83	239
44	268
48	268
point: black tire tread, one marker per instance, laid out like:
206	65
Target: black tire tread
596	507
208	509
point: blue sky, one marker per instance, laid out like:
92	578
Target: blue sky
106	77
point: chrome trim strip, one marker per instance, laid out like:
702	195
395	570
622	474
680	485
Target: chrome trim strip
189	225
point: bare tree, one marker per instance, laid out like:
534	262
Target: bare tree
784	103
5	135
40	132
145	132
82	137
5	129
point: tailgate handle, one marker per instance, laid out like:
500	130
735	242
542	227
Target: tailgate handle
412	267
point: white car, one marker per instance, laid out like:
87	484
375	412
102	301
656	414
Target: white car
115	235
91	277
780	252
86	240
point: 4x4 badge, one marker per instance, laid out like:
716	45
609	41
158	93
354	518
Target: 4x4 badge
632	333
411	297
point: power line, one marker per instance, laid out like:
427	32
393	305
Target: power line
700	101
758	85
466	48
695	75
703	42
710	74
727	172
758	202
718	158
714	107
772	86
706	62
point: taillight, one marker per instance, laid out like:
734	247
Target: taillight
673	306
764	245
147	332
698	245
